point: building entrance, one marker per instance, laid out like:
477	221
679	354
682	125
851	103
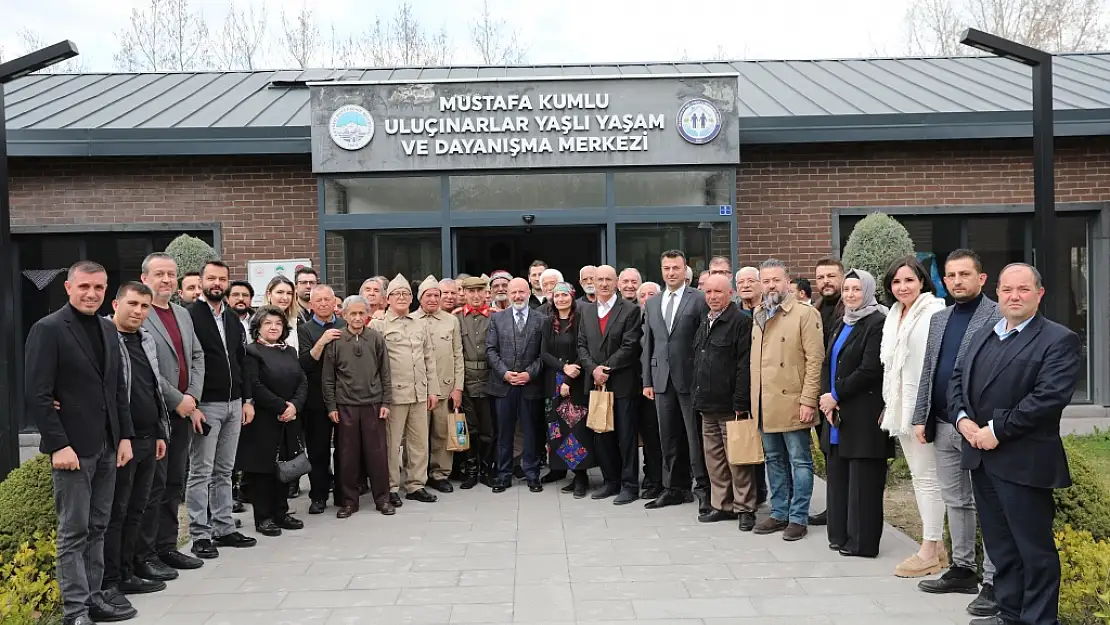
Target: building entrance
566	248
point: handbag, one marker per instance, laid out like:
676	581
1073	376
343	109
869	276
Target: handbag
744	445
458	434
295	467
600	416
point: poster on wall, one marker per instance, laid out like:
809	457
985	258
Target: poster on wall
260	273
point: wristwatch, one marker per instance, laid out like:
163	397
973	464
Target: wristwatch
248	402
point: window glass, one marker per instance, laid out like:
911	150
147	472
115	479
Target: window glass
673	188
355	255
354	196
642	246
528	191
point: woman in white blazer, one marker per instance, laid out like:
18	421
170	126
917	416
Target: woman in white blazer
905	334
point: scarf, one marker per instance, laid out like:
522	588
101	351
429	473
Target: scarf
468	310
852	316
894	352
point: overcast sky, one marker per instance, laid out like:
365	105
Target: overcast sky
559	31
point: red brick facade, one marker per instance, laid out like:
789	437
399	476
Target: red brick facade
268	205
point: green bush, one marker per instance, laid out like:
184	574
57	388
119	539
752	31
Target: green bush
30	591
190	253
1085	578
26	505
819	467
1086	504
877	241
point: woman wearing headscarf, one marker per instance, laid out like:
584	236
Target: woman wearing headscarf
570	441
851	402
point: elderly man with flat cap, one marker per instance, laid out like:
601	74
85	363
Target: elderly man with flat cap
443	328
412	367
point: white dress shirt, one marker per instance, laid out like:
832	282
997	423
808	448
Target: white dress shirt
603	308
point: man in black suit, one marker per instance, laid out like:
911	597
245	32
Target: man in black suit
73	361
1008	395
608	347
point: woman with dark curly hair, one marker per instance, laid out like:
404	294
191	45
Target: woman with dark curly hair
279	388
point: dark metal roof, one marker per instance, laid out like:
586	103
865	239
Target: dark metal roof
779	102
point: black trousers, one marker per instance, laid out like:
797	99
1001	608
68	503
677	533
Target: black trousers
268	496
618	452
1017	532
133	486
648	425
160	521
479	420
680	435
854	491
317	440
511	409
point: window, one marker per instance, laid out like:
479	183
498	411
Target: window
353	196
355	255
641	246
528	191
673	188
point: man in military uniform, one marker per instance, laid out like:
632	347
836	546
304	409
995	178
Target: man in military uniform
412	367
443	327
474	320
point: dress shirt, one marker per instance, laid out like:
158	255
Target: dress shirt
603	308
1003	334
218	315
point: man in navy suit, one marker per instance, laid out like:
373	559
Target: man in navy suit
513	352
1008	394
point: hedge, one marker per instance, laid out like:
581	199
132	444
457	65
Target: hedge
26	504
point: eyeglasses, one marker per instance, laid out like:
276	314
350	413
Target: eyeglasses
719	272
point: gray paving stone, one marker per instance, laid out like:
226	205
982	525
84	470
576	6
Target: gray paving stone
275	617
326	599
601	591
414	615
482	613
697	608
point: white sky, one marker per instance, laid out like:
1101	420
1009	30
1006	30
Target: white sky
556	30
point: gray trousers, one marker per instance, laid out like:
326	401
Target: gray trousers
211	462
959	499
83	500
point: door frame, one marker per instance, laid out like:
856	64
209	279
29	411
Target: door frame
454	239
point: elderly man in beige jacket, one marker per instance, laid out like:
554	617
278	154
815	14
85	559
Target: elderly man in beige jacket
443	327
412	367
788	349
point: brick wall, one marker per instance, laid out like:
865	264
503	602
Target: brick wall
785	194
266	205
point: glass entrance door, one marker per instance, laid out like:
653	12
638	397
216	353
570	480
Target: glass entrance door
566	248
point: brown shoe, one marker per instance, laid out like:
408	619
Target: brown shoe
915	566
770	525
794	532
386	508
345	512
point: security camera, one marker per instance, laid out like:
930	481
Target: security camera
528	218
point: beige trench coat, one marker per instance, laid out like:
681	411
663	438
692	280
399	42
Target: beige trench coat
787	354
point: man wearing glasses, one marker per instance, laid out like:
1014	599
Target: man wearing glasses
306	279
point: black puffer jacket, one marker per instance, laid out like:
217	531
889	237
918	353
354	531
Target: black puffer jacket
722	364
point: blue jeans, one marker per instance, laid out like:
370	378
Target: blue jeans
789	459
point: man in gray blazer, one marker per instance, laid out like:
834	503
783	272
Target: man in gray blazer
670	321
181	377
950	333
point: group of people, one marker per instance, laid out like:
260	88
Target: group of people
215	401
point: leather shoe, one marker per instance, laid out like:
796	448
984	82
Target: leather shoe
536	486
100	611
177	560
268	528
985	604
345	512
203	548
317	507
627	496
848	553
442	486
747	521
290	522
568	487
502	485
553	476
580	488
234	539
113	596
238	507
717	516
819	519
395	500
470	482
421	495
155	571
704	507
606	491
138	586
668	498
386	508
651	492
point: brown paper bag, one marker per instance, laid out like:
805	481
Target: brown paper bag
458	434
744	445
600	418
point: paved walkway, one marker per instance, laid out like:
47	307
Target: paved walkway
520	557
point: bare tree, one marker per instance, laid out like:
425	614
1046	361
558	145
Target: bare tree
167	35
1052	25
300	37
31	41
400	41
495	43
241	41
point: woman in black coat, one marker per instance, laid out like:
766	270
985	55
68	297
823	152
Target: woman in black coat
279	387
570	441
852	403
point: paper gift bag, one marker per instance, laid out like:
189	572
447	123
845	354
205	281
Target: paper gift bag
744	445
600	418
458	435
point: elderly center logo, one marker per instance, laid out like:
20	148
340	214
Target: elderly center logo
699	121
351	127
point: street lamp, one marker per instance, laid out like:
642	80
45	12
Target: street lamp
11	405
1044	180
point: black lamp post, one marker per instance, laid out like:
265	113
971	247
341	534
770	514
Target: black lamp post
10	393
1044	179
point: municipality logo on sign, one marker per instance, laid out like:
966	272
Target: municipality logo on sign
699	121
351	127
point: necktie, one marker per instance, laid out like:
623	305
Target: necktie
668	313
519	321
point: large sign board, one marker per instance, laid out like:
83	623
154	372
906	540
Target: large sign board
388	127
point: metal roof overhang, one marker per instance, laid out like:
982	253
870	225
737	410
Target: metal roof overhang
798	129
